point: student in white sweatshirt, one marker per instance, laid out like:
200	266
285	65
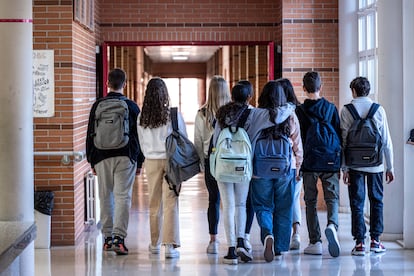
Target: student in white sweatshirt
154	125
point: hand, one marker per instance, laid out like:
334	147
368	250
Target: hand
345	177
93	171
389	177
138	172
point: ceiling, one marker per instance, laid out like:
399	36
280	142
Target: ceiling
183	52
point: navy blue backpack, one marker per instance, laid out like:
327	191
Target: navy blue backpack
322	148
272	154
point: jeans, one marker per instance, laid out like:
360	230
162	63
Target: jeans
272	201
116	176
233	197
356	192
330	186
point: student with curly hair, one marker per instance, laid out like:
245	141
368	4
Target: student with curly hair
154	125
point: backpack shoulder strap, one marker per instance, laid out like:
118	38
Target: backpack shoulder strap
329	113
351	108
243	117
374	107
174	119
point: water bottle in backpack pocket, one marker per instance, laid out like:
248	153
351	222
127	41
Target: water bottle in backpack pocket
272	154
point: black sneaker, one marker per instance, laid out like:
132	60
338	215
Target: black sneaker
108	244
231	258
119	246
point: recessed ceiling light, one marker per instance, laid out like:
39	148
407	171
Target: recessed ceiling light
180	57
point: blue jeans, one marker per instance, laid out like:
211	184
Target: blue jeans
213	210
356	192
330	186
272	201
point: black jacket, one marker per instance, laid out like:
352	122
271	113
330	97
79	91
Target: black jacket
132	150
317	109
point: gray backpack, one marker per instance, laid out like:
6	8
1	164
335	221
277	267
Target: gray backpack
111	128
183	161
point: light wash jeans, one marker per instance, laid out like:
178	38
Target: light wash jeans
233	198
116	176
272	201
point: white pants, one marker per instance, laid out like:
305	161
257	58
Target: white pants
297	213
233	197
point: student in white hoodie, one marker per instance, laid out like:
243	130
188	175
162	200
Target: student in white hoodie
154	125
218	95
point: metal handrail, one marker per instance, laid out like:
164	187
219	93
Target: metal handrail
77	155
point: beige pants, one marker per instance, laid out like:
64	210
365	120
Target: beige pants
163	205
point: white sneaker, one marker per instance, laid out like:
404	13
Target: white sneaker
154	249
269	251
212	247
171	252
247	243
333	243
295	242
313	249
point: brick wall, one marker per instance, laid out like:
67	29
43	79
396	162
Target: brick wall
74	55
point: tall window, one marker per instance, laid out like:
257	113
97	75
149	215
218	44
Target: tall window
368	42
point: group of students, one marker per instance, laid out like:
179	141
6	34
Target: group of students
275	201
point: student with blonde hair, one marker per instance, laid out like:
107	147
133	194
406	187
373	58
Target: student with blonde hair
218	95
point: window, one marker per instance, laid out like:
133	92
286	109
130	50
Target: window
368	42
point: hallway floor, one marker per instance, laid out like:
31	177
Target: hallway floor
88	259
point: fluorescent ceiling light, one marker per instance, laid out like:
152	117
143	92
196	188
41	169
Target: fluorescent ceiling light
183	53
180	57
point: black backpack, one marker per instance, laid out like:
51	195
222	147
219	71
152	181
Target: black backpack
363	142
272	154
183	161
322	147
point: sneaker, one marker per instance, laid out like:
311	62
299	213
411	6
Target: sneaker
171	252
119	246
377	246
247	245
295	242
269	251
359	250
244	254
333	243
231	258
108	244
313	249
212	247
154	249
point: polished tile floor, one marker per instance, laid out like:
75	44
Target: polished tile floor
88	259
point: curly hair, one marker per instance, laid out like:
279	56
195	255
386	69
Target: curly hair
156	106
273	96
232	110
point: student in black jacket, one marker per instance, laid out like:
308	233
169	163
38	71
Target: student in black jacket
316	164
116	170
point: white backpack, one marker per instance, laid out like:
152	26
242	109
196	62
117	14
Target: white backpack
231	158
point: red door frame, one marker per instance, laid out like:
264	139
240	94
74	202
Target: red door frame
105	45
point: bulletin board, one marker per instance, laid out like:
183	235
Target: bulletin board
43	83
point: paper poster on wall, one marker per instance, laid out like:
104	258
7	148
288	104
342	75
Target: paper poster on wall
43	83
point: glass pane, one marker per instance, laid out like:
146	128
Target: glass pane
371	67
362	34
174	91
362	68
362	4
189	99
371	31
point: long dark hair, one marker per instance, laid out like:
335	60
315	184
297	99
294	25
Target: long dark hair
239	94
273	96
289	91
156	105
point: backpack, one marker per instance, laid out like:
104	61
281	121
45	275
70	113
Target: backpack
183	161
363	142
231	158
322	147
111	126
272	154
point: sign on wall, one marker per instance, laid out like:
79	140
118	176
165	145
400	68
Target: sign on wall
43	83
